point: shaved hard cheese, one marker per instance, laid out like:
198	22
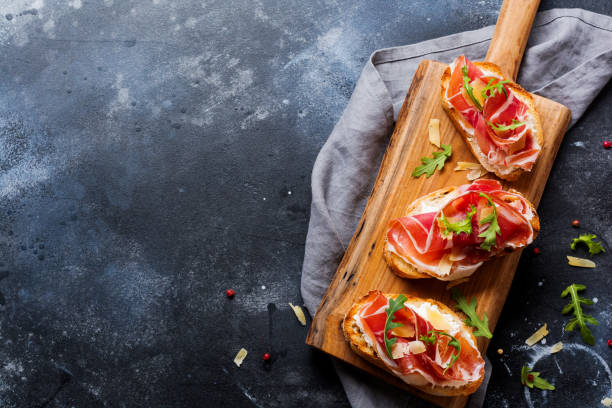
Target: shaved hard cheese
240	357
476	173
467	166
403	331
434	132
398	350
299	313
437	320
416	347
580	262
445	265
555	348
537	336
458	282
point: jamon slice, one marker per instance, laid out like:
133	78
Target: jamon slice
446	234
427	365
496	117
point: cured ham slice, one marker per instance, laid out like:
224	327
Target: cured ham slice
423	351
454	229
496	117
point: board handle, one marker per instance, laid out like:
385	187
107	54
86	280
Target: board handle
511	34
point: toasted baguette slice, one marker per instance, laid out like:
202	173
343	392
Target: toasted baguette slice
467	131
357	341
437	200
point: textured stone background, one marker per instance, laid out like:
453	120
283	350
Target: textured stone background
155	153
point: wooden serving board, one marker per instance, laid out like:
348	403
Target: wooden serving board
363	267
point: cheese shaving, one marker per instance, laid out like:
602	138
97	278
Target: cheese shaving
399	349
434	132
467	166
240	357
580	262
476	174
403	331
555	348
458	282
445	265
475	169
537	336
416	347
299	313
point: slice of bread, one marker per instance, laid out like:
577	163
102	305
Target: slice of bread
437	200
467	131
355	337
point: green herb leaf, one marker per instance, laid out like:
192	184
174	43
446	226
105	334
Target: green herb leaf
491	233
502	128
580	319
541	383
428	339
432	337
470	310
524	372
394	306
538	382
468	88
491	89
587	239
430	164
458	227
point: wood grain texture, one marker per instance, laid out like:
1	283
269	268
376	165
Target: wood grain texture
511	34
363	267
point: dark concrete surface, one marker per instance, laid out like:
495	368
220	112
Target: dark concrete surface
155	153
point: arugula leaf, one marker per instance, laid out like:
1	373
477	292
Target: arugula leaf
458	227
494	88
433	337
502	128
524	372
587	239
580	319
394	306
491	233
468	88
533	379
429	164
541	383
470	310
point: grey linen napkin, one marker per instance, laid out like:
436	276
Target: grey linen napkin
567	47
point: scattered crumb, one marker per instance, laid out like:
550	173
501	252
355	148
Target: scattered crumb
263	287
595	300
607	402
540	283
500	351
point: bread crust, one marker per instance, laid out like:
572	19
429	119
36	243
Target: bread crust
404	269
354	337
457	118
